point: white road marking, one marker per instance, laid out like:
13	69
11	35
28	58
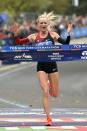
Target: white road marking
31	120
38	127
19	67
68	127
20	113
11	128
79	120
12	103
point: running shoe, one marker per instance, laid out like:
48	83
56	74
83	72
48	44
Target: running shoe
49	122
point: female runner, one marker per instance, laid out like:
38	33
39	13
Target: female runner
46	71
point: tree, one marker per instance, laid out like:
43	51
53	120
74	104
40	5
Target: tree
59	6
15	7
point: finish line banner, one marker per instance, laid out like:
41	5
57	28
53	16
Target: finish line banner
45	53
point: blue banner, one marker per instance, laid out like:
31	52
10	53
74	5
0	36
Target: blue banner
44	53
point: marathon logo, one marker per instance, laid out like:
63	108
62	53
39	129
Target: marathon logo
84	55
23	57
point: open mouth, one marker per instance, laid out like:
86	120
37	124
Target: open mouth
43	27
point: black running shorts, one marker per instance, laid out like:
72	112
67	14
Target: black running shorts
48	67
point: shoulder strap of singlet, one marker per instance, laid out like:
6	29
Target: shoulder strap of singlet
49	37
38	38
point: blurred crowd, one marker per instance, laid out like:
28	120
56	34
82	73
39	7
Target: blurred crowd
30	26
77	21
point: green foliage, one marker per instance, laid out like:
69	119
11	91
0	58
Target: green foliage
59	6
15	7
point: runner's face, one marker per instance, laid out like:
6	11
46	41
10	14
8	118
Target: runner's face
43	24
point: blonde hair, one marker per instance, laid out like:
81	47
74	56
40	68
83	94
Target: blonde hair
51	17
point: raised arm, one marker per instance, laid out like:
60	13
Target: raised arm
57	38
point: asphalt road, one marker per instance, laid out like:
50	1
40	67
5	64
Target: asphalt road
19	86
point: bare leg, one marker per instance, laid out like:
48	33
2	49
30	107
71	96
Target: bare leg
43	79
54	83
